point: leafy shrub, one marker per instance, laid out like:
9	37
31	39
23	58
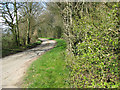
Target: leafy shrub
92	40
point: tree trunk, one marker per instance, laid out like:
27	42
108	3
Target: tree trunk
28	31
16	26
28	21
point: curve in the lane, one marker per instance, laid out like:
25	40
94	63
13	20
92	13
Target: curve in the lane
14	66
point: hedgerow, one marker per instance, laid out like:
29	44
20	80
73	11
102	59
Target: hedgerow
92	33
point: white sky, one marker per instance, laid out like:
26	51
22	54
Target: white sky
1	26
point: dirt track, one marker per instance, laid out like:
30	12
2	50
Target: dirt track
15	66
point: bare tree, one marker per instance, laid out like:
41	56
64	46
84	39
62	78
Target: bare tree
30	11
10	16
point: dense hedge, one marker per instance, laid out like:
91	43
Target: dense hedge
91	32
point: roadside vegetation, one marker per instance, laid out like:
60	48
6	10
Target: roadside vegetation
12	49
49	71
92	35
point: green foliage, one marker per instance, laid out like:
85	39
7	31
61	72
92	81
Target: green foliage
51	25
49	71
92	52
7	41
9	47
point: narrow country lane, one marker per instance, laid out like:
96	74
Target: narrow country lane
15	66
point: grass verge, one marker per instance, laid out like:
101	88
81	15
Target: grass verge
48	38
49	71
6	52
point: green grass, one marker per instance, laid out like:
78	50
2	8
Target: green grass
16	49
49	71
48	38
